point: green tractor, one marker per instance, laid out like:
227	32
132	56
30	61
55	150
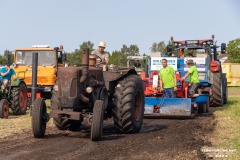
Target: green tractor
14	97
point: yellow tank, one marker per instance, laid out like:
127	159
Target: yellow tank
233	73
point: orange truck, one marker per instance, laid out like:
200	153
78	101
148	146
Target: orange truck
49	61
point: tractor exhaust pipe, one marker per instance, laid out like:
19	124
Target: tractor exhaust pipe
85	64
214	52
34	75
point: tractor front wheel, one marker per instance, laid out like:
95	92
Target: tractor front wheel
97	121
203	108
39	118
4	108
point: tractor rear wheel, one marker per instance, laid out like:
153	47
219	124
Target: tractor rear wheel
4	108
97	121
19	99
39	118
225	90
217	90
129	104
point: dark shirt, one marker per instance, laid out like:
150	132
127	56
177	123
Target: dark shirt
138	65
190	55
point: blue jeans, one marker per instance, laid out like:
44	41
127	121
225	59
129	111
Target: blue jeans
169	92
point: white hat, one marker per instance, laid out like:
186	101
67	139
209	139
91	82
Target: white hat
102	44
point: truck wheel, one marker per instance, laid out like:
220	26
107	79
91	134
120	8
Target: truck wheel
225	90
4	108
97	121
19	99
129	104
39	118
217	90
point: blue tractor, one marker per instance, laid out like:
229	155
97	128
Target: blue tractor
212	88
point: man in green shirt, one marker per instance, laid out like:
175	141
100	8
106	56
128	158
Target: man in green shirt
168	81
193	78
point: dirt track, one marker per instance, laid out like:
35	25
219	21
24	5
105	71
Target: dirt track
158	139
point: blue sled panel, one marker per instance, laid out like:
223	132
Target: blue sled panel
167	106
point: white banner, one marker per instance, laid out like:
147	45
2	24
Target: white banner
200	63
156	63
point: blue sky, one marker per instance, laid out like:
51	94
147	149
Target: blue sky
55	22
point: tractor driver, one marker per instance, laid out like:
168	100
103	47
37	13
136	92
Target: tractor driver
190	53
103	56
137	64
7	72
168	80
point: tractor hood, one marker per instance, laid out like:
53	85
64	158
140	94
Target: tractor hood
46	74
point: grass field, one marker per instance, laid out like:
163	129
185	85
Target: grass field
226	136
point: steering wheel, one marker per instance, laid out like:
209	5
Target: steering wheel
97	56
101	60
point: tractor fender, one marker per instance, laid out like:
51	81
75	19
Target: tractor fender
111	78
16	82
104	96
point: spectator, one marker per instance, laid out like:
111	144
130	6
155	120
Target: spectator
168	80
7	73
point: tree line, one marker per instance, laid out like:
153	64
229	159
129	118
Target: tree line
4	57
119	57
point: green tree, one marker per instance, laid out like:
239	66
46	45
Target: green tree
233	50
4	57
158	47
118	58
132	50
75	58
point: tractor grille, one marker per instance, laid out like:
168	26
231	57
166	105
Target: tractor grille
73	89
68	86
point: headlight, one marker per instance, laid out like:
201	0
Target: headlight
89	89
47	89
55	88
